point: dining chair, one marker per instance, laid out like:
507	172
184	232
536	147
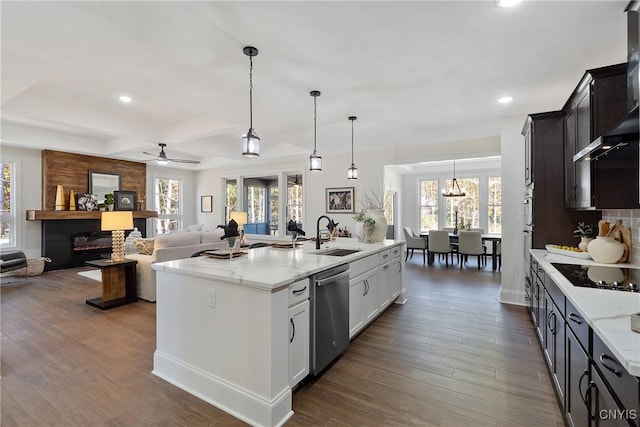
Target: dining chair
454	244
439	243
470	243
481	230
415	242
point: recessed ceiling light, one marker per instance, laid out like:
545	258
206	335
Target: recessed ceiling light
125	99
505	99
507	3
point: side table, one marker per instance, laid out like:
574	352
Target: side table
118	283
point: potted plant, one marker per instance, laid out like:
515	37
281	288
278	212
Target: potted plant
361	219
585	233
109	201
102	206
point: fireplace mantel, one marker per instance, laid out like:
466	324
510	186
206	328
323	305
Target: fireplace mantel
65	215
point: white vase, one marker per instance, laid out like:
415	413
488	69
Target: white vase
380	227
367	234
605	250
584	243
360	231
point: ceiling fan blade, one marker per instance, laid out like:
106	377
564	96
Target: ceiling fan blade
149	154
194	162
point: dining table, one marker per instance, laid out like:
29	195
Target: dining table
494	238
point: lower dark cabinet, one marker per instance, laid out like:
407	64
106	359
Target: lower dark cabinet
578	379
604	410
554	343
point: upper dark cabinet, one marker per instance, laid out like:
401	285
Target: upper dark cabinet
596	106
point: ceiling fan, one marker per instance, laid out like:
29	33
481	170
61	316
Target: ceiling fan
162	158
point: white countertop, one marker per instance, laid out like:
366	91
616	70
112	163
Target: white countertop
607	312
273	268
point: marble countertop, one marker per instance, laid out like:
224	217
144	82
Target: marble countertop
607	312
273	268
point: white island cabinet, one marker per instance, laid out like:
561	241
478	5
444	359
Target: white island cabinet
235	333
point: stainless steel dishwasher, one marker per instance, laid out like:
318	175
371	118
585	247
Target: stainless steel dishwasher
329	316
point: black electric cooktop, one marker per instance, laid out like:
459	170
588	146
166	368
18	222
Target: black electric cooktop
601	277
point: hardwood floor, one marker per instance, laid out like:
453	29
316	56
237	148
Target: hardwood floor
451	356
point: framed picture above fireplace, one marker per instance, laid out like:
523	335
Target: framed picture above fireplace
125	200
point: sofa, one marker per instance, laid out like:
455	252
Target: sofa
168	247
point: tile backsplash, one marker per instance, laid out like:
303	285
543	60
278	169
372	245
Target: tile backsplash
630	218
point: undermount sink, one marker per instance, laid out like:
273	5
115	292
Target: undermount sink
338	252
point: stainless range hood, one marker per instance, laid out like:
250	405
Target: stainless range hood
622	140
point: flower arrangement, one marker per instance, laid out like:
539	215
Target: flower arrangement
374	200
583	230
369	221
360	216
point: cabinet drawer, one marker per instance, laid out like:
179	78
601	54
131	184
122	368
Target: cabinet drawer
554	292
396	251
298	292
623	385
360	266
384	256
578	325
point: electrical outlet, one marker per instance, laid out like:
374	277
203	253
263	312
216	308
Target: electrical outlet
212	298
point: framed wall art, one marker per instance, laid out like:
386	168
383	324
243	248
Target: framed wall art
125	200
340	200
206	203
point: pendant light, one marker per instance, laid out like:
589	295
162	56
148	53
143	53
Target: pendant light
250	141
315	161
454	191
352	172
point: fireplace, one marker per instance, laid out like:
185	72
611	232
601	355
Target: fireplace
71	242
91	242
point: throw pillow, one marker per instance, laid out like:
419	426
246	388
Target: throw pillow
144	246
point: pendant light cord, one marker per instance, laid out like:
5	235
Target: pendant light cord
315	118
351	142
251	91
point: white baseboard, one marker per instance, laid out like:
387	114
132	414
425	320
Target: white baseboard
242	404
513	297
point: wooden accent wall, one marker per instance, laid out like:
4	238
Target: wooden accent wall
72	171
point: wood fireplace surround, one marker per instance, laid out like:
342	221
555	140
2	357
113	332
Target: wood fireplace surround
72	172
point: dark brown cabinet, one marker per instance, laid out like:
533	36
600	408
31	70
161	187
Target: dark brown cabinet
544	135
592	386
578	377
596	106
554	343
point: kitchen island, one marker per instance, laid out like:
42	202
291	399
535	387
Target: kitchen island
224	326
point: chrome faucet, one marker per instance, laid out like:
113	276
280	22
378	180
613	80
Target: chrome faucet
318	229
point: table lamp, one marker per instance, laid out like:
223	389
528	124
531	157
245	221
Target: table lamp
241	219
117	222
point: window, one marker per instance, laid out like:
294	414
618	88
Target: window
495	205
294	199
231	200
263	205
429	205
8	236
468	207
168	202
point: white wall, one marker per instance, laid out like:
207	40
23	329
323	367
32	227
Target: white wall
371	176
29	196
512	148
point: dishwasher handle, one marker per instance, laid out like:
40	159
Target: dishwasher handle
321	282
